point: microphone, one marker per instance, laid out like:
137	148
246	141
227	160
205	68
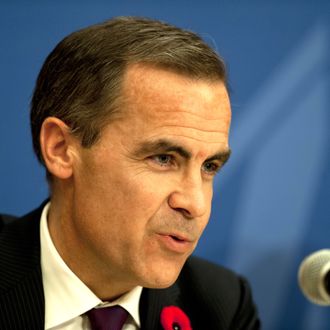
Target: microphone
314	277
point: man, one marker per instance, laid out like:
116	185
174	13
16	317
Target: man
131	120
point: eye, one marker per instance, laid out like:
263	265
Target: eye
211	168
163	159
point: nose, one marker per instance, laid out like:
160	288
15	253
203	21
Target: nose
191	198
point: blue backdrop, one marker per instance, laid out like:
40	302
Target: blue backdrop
271	205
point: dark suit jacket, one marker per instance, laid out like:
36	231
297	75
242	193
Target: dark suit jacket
211	296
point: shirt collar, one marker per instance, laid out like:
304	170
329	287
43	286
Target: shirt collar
66	296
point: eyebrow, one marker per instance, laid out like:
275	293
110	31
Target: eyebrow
164	145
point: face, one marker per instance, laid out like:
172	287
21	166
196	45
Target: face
142	194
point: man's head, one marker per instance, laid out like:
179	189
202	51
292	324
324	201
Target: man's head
133	148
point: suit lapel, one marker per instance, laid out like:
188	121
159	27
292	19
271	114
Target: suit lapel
153	301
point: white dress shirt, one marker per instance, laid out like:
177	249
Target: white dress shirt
67	298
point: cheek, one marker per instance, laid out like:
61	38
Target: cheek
129	201
143	190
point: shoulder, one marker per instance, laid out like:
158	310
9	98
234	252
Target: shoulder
28	223
15	228
21	291
221	294
5	219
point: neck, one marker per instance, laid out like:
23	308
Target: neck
74	249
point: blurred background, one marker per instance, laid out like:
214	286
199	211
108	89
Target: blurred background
271	204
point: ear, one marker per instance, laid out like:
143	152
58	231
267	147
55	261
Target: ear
57	146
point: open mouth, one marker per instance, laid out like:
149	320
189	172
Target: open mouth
177	239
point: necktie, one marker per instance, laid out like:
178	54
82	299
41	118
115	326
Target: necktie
108	318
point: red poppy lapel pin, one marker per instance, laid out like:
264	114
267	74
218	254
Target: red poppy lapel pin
174	318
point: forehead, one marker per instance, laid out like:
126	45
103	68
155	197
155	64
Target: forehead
148	83
157	103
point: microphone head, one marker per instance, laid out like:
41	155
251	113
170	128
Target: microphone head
314	277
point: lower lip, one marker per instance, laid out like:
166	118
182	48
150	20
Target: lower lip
174	245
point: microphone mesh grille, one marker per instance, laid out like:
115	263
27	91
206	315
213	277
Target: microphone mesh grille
311	277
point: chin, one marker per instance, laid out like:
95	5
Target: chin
160	283
163	276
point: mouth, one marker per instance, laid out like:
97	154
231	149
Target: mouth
176	238
176	243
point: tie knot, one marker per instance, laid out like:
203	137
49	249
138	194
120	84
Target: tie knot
107	318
